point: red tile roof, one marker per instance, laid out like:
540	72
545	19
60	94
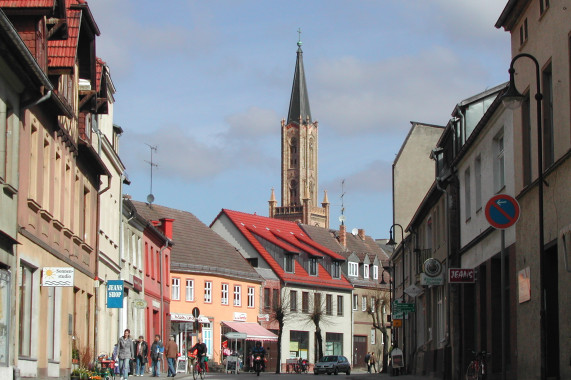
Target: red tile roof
27	3
62	53
289	236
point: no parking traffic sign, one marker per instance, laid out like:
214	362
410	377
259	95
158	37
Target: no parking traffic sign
502	211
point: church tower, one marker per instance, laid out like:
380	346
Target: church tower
299	171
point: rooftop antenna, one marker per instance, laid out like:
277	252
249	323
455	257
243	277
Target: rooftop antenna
342	217
151	197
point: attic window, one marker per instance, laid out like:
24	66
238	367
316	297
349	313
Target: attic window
335	271
353	269
366	270
288	263
313	266
253	262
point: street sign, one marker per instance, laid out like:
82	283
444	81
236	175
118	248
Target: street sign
397	315
397	323
413	290
502	211
461	276
404	307
196	312
236	335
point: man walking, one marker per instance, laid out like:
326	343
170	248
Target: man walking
125	353
171	352
373	362
156	349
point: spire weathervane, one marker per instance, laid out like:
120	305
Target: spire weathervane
151	197
299	43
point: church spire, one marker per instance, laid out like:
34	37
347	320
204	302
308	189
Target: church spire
299	101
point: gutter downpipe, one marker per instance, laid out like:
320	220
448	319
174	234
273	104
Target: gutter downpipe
167	240
121	240
95	330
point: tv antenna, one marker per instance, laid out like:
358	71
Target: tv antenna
151	197
342	217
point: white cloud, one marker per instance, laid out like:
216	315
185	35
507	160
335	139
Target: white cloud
254	123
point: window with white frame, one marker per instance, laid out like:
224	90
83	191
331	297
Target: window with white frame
353	269
190	290
499	175
478	179
25	316
375	272
207	291
364	303
175	289
373	336
373	300
366	270
224	295
467	201
339	305
251	296
237	295
355	302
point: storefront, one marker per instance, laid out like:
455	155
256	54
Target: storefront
254	332
183	329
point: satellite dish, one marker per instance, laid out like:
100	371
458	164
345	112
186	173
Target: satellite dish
150	198
354	231
342	218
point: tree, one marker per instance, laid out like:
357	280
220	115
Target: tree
379	313
318	315
280	313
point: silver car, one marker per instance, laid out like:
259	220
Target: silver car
332	364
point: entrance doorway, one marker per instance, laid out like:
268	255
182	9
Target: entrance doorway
359	350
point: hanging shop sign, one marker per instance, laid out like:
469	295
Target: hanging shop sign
115	294
461	276
56	276
139	304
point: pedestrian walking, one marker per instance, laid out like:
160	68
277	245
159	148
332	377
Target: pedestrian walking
141	349
171	352
125	353
368	362
373	362
156	349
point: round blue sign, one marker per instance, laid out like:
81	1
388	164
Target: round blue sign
502	211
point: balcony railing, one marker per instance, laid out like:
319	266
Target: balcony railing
421	256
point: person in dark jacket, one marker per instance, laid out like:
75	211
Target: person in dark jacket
141	352
201	351
156	349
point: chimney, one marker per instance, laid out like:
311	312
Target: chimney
342	236
166	227
361	233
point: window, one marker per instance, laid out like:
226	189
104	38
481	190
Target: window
334	344
543	6
548	154
373	336
288	266
207	291
373	300
293	300
51	325
335	270
355	302
275	299
190	290
47	177
478	178
26	291
175	289
375	272
440	317
317	306
313	266
6	143
353	269
33	184
267	298
467	208
251	296
253	262
523	32
339	305
366	270
237	295
224	294
364	303
293	152
305	302
499	176
526	138
329	304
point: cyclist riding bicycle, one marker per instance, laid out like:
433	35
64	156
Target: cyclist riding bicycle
201	351
259	350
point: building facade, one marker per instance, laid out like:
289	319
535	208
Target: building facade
542	29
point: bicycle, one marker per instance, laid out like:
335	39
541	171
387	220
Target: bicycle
197	368
478	367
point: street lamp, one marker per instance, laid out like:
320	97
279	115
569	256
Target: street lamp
512	99
393	243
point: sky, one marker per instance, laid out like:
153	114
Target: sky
207	83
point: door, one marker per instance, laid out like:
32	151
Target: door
207	338
359	350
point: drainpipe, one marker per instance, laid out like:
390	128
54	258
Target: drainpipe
162	284
121	245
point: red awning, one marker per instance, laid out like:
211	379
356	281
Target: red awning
253	330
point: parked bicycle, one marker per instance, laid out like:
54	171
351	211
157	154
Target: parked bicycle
478	367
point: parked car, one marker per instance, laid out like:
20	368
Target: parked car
332	364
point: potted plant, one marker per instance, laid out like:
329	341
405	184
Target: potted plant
75	374
75	356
